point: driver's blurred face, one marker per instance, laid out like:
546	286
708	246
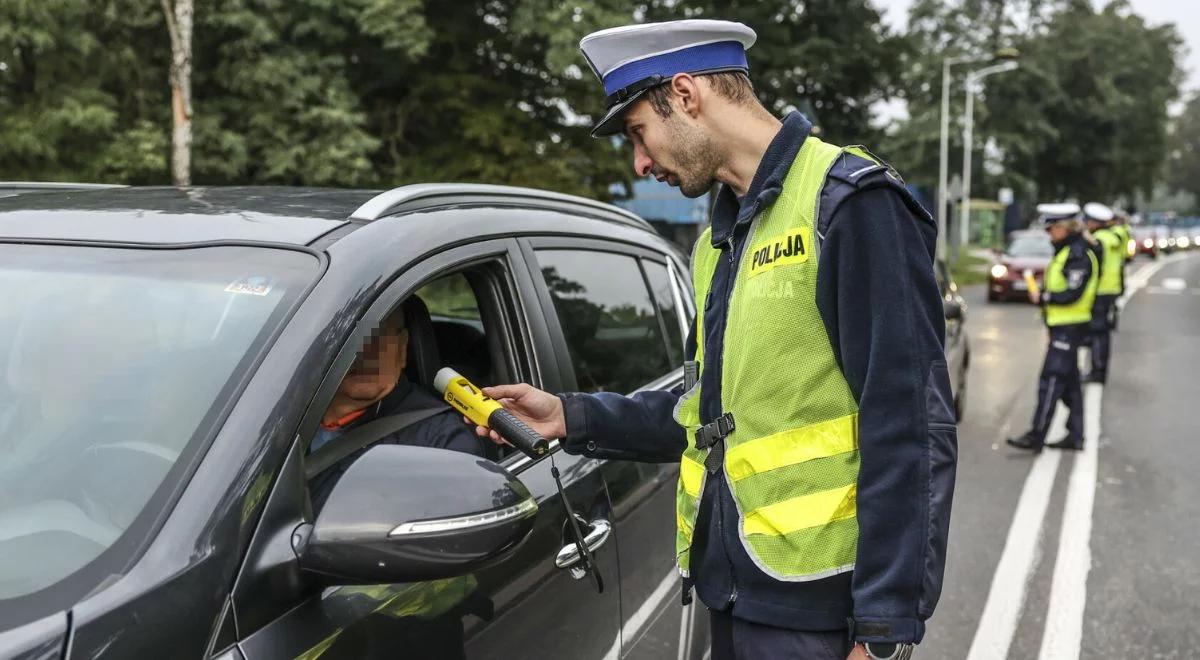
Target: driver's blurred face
377	368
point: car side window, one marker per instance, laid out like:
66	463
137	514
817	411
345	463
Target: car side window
664	299
458	326
613	331
939	273
462	319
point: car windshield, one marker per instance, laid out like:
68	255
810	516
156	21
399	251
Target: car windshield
115	364
1031	246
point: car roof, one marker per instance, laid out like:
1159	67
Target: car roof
176	215
276	214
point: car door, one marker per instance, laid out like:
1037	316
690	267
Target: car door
524	606
619	314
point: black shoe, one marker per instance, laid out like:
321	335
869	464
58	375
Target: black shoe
1096	378
1025	442
1074	444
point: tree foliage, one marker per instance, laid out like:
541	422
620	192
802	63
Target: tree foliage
379	93
1085	115
1184	169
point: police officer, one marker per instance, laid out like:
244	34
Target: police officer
1111	255
1120	227
1070	291
815	432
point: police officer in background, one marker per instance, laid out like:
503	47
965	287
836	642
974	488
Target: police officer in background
1111	248
1070	291
1120	227
815	431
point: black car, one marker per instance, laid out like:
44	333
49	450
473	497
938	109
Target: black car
958	349
165	359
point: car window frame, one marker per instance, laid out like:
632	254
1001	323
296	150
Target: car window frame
254	589
530	366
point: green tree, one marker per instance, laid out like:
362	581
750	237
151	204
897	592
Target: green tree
76	100
831	59
1085	116
1184	169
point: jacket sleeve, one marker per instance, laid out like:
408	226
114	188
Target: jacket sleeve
1077	270
882	308
640	427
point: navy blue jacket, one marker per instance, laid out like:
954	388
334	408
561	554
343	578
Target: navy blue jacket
880	304
442	431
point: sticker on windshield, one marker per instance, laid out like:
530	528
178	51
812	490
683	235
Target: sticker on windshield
255	285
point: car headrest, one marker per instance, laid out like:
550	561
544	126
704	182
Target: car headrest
423	357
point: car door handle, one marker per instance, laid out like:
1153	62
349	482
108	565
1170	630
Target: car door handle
568	556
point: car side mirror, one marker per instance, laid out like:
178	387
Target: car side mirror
953	310
405	514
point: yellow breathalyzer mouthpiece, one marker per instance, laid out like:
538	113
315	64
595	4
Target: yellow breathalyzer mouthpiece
485	411
1031	282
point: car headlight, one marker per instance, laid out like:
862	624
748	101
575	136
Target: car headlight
1149	243
1162	242
999	271
1184	242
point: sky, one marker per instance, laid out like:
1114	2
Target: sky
1184	13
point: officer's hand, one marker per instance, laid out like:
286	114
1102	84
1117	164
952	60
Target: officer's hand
541	411
1034	297
858	653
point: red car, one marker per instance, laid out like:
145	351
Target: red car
1027	251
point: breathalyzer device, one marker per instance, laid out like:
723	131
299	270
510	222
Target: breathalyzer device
485	411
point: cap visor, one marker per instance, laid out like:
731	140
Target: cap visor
613	122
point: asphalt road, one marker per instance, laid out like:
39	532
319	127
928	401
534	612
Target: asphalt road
1088	555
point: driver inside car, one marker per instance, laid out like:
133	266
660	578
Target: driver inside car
376	387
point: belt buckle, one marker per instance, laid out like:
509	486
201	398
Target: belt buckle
716	430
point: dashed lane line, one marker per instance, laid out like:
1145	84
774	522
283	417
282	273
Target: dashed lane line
1018	560
1006	597
1062	636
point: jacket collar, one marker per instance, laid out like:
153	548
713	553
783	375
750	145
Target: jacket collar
729	210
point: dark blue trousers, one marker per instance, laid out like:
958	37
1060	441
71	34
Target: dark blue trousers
1059	381
1099	335
738	639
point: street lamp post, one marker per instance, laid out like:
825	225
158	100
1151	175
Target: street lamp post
972	85
944	138
944	152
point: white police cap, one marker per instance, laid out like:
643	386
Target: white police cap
631	59
1052	213
1098	212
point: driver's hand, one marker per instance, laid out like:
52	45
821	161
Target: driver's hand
541	411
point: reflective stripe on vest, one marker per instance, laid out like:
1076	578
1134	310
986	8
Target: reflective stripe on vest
1079	311
1114	262
792	461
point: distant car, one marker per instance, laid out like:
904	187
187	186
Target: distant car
1027	251
1147	241
1182	238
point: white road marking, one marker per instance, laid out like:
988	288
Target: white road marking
1174	284
1062	637
1141	277
1019	558
1160	290
685	631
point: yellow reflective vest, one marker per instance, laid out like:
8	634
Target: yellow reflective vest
1113	264
792	460
1079	311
